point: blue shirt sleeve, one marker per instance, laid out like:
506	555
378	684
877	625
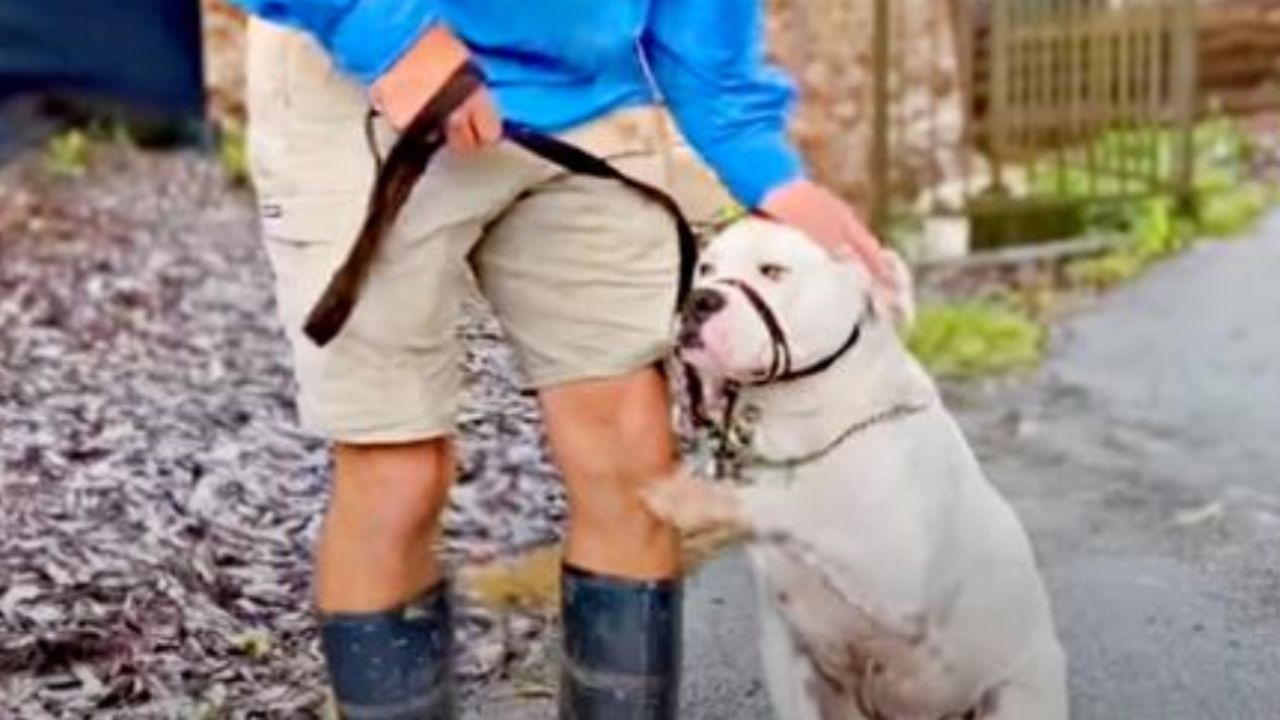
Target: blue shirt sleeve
708	59
365	37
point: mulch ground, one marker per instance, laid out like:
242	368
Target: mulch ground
157	505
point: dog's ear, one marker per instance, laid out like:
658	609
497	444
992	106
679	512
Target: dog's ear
896	303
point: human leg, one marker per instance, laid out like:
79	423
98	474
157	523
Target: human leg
583	274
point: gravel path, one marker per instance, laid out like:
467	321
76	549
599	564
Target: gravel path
158	505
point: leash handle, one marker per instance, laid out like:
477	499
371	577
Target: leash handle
407	163
396	178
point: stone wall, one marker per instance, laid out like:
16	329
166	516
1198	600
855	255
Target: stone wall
827	46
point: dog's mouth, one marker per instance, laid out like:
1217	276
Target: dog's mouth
705	339
709	345
694	347
690	336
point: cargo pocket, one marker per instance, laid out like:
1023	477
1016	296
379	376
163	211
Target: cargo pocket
306	239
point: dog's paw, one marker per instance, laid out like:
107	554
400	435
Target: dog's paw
693	505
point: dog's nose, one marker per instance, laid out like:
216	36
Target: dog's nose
704	303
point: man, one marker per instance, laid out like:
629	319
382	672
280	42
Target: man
582	273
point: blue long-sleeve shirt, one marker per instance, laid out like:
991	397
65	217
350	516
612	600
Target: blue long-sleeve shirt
553	64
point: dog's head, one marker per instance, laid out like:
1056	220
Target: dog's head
758	280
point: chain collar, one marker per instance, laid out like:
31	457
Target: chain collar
893	414
721	444
731	439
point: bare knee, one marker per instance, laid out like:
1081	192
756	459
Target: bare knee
611	439
376	550
391	494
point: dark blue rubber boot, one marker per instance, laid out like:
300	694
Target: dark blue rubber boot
621	648
393	665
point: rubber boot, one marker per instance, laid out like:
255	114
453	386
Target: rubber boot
393	665
621	653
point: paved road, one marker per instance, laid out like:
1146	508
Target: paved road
1145	459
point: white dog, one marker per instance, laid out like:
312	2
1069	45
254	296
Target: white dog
896	583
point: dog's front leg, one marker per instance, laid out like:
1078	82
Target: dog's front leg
788	673
697	507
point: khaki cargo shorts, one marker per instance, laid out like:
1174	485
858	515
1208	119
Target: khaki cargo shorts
581	272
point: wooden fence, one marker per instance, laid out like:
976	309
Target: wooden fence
1068	103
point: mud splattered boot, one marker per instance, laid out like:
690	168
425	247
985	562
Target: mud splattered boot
393	665
621	655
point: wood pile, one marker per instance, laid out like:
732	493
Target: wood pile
1240	55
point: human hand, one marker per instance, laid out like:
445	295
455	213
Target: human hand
409	85
475	124
829	221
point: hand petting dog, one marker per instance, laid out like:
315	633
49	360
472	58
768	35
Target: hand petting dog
828	220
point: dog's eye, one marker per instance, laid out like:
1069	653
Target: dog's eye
705	269
773	271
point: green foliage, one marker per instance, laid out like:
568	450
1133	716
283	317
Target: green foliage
1224	201
70	154
110	131
1223	153
67	154
1151	229
1231	212
233	154
974	338
1106	270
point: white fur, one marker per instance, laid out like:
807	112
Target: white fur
894	578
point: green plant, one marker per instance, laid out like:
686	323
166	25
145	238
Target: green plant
1150	229
1224	202
1002	334
974	338
67	154
109	130
233	154
1104	271
1128	162
1226	213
